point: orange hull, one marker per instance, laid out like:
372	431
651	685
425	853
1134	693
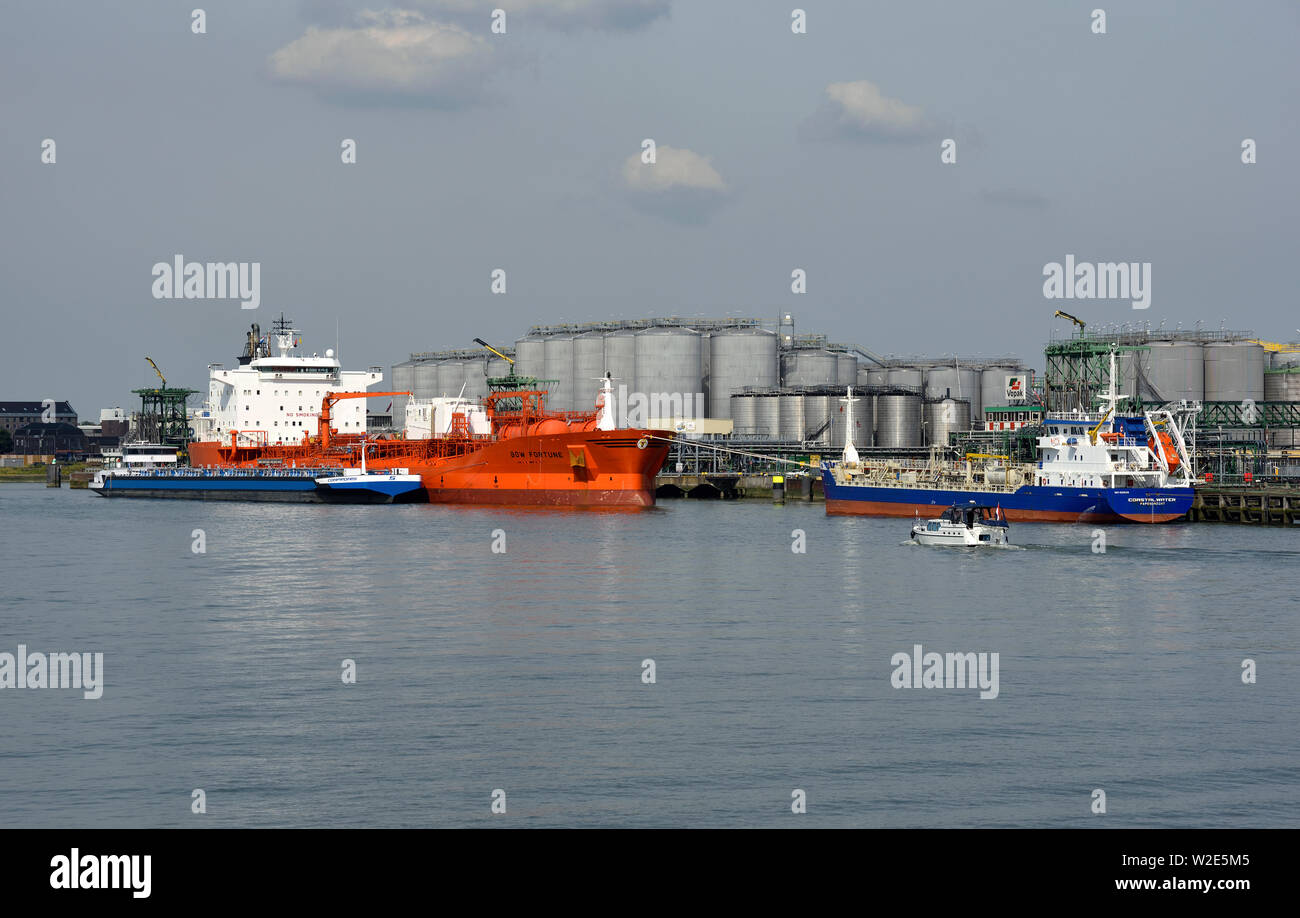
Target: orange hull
596	468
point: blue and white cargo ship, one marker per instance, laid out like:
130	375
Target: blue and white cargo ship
1104	467
149	470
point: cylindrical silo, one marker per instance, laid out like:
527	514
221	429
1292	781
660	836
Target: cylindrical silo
944	416
451	377
530	356
476	371
668	370
792	415
817	417
809	367
998	386
847	367
496	367
1281	360
898	420
954	382
863	421
425	384
1176	371
588	369
403	381
1282	385
1234	371
743	420
767	416
739	357
620	358
912	377
557	366
873	376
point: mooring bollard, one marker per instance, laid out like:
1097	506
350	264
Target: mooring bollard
805	487
778	489
53	476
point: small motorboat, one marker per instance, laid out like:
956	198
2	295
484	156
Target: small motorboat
964	524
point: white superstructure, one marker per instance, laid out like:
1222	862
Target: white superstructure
276	398
436	417
1113	450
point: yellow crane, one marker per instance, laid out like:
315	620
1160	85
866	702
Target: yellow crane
1062	314
158	371
495	351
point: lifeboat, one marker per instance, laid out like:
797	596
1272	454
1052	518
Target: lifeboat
1167	442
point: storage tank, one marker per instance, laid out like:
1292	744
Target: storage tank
425	384
403	376
1234	371
476	378
792	415
497	367
739	357
530	356
809	367
1282	385
994	383
847	366
741	410
913	377
557	365
1281	360
1284	438
954	382
620	358
944	416
668	369
451	376
898	420
862	421
767	416
588	369
817	417
872	376
1175	370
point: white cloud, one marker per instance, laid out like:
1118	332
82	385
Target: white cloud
563	14
681	185
396	53
860	109
673	168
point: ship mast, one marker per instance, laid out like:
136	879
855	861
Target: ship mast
850	451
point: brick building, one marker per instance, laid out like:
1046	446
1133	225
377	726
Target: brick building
14	415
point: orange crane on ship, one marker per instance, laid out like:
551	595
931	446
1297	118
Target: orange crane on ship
323	432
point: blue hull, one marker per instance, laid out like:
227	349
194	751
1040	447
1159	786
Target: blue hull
373	488
299	487
1025	504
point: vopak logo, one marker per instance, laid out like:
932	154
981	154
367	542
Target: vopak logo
209	280
1103	281
1015	387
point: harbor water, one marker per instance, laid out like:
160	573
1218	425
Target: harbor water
524	669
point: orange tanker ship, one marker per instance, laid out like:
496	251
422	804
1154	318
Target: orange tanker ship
527	455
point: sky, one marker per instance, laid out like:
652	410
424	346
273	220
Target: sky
522	151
